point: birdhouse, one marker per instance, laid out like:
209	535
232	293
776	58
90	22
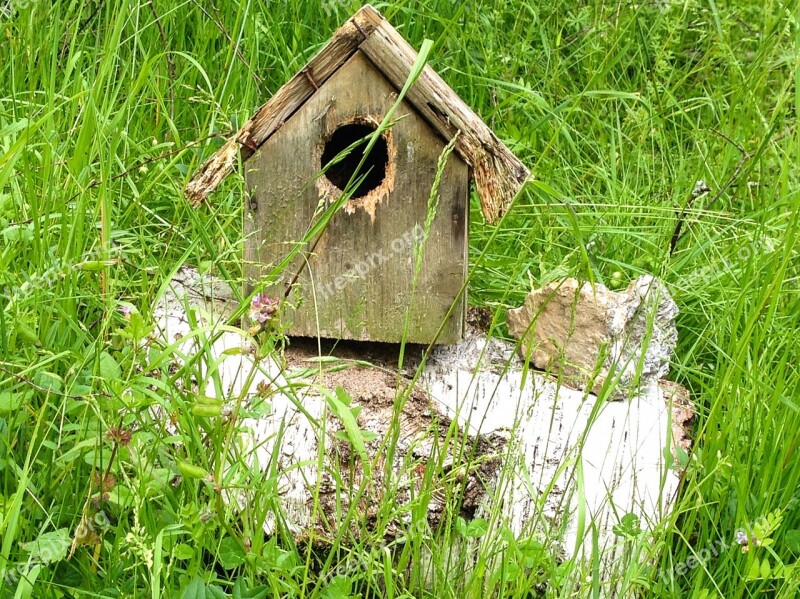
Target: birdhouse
387	260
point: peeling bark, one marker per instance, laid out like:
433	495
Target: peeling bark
527	435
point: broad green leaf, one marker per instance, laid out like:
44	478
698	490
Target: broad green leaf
108	368
754	571
461	526
765	569
191	471
10	401
18	233
340	405
477	528
50	547
183	551
214	592
629	526
207	410
48	381
195	590
339	587
230	553
793	540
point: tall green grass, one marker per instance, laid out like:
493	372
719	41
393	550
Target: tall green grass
619	108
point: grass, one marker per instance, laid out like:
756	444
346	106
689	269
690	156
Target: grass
620	109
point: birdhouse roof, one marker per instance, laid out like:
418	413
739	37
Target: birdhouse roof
498	174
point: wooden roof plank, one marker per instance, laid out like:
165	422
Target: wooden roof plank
281	106
498	173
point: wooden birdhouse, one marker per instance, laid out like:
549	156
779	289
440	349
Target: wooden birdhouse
391	262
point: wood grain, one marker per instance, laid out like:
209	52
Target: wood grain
278	109
359	282
499	175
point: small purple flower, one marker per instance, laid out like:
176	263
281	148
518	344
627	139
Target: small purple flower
741	537
263	308
746	541
125	311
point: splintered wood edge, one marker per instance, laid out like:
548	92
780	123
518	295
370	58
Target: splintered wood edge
499	174
278	109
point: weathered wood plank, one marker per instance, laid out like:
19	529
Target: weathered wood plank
499	174
283	104
359	281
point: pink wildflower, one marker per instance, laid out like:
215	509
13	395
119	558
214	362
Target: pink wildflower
263	308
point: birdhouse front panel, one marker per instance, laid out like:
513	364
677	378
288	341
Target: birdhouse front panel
392	262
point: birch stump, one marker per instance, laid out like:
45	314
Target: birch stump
552	460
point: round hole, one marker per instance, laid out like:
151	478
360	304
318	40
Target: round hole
374	166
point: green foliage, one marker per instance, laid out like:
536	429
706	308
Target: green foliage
619	108
629	526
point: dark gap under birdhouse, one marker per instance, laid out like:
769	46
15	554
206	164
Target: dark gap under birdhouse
374	166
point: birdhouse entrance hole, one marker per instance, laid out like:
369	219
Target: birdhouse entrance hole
374	166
